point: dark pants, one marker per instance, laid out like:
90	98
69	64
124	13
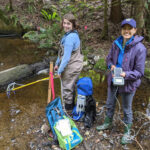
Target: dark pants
127	99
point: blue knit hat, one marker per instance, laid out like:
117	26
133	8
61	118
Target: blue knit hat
129	21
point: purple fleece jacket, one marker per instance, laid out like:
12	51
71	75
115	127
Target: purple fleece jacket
133	63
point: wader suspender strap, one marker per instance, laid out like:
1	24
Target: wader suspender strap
61	51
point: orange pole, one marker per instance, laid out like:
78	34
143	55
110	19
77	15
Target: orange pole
49	86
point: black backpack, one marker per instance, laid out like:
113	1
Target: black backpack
90	111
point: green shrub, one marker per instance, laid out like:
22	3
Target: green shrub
47	39
101	64
50	16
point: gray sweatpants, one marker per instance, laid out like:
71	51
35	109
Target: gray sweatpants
127	99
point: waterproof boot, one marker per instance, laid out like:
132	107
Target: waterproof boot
126	137
106	125
69	106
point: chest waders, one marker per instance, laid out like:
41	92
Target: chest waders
70	75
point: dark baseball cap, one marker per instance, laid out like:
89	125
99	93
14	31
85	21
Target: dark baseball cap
129	21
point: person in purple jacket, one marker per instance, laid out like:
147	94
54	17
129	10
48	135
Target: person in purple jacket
128	53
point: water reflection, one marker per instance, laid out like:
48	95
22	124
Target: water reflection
18	50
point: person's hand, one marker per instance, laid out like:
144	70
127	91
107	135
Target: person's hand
59	76
112	69
123	74
55	68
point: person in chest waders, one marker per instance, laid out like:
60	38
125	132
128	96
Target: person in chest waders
70	60
128	53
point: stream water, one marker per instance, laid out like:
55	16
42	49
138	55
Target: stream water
23	114
16	51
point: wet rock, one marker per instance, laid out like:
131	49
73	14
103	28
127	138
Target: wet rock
44	71
87	133
54	147
88	68
13	140
39	66
146	133
90	56
44	120
1	64
1	137
136	127
12	120
45	128
22	133
47	144
47	53
97	141
15	73
29	131
148	110
105	135
125	147
37	131
85	63
18	111
96	58
31	144
100	133
91	61
82	127
111	141
86	145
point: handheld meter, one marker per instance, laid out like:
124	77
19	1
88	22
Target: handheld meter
118	80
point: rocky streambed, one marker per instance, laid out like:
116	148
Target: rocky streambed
24	124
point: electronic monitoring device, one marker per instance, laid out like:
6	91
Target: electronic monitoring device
118	80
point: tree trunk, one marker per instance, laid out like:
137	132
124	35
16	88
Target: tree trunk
139	15
147	23
104	34
10	4
116	15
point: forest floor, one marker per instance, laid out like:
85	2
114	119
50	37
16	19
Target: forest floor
93	140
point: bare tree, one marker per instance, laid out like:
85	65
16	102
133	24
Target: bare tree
10	4
147	21
139	15
104	34
116	13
